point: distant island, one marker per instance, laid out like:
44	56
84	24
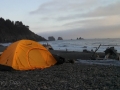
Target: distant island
11	31
52	38
80	38
60	38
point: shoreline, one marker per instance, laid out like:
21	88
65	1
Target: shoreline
68	54
66	76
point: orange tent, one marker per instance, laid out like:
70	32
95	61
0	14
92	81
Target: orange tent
27	55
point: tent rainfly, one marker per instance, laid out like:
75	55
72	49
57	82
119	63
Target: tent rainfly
26	55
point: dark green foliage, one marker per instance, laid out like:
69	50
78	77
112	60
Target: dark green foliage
11	32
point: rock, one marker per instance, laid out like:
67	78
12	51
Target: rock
60	38
80	38
86	51
51	38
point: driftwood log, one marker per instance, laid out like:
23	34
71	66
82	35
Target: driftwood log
111	53
94	56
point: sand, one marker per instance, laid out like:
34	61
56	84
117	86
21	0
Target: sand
67	76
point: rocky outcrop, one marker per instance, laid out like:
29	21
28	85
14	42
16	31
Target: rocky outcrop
11	31
60	38
80	38
51	38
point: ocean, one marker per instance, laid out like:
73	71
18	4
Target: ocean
88	44
80	45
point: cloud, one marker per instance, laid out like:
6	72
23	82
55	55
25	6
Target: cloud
68	7
85	18
95	22
104	27
95	32
54	6
61	10
109	10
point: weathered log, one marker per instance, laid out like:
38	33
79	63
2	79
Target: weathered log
94	56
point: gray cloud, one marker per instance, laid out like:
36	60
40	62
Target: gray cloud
84	18
47	8
56	6
96	22
61	10
95	32
108	10
66	7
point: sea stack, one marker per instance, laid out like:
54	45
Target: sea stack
51	38
60	38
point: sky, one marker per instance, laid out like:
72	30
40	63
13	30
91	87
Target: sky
69	19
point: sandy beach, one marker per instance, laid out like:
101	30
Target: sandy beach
67	76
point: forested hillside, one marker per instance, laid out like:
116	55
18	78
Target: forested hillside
11	31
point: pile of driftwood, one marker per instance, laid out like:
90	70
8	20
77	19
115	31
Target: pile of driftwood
110	53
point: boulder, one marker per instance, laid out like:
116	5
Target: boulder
60	38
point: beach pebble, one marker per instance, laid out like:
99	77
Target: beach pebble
66	76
